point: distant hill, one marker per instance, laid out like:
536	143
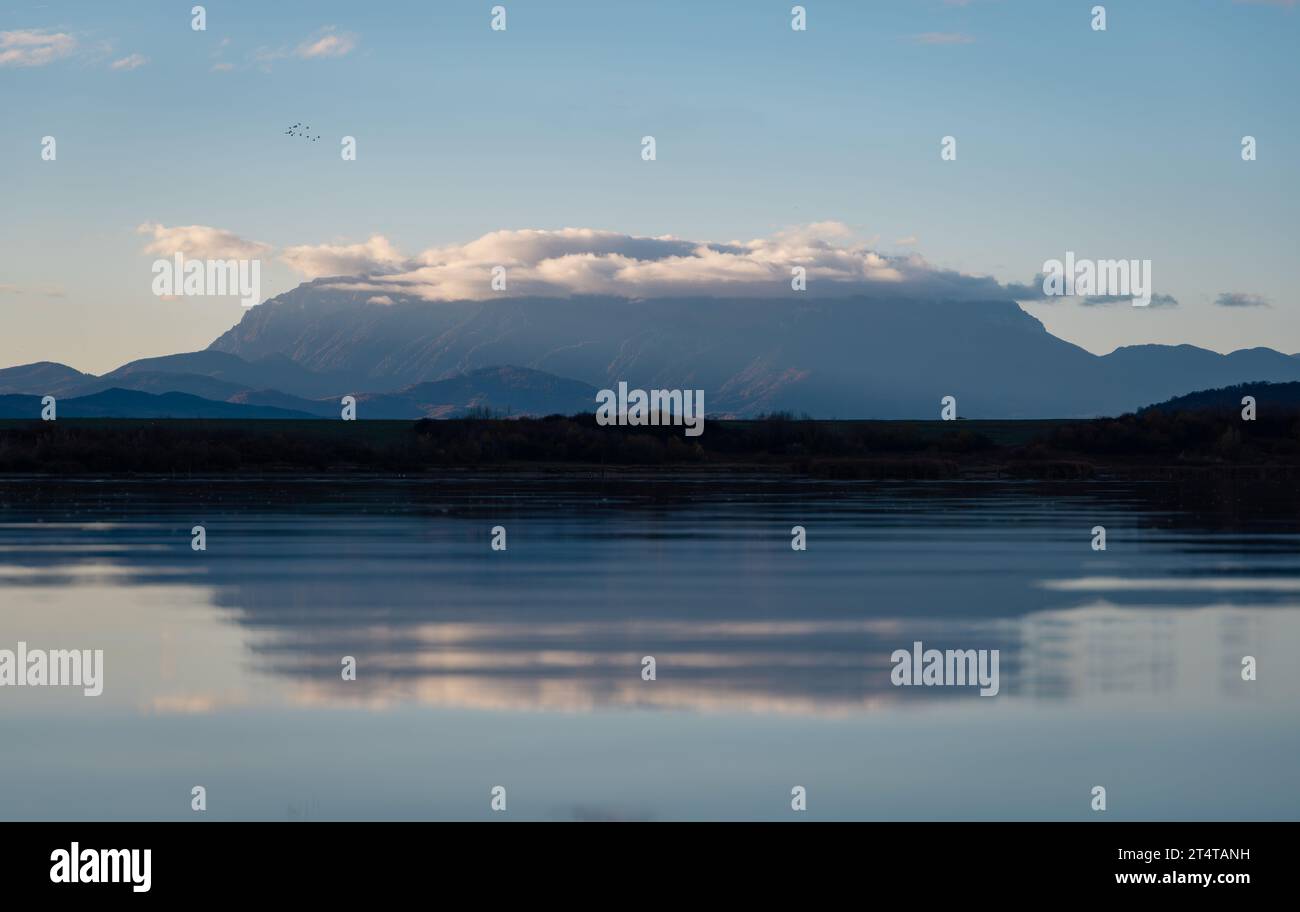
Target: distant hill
514	391
1166	371
44	378
1269	398
498	390
120	403
159	383
273	371
210	374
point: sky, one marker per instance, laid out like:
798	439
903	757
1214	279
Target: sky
474	144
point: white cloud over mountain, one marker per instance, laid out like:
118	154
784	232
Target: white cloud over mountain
568	261
344	259
588	261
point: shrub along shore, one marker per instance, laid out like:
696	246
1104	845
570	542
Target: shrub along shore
1152	444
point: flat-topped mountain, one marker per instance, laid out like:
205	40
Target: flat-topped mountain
836	357
847	357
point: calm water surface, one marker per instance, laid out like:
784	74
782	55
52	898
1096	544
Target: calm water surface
523	668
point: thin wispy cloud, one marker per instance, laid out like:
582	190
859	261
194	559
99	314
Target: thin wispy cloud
34	47
132	62
1157	300
1241	299
329	43
1033	292
48	291
221	66
324	43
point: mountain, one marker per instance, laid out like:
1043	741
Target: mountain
501	390
272	371
1270	399
852	357
120	403
159	383
44	378
1165	371
210	374
321	408
846	357
329	331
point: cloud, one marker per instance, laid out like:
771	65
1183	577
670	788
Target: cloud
1241	299
328	42
130	63
34	47
1157	300
49	291
320	44
909	241
1033	292
200	242
943	38
221	66
571	261
578	261
375	255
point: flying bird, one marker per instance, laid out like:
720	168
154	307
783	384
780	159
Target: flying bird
304	131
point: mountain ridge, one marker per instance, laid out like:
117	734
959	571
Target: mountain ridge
124	403
836	357
502	390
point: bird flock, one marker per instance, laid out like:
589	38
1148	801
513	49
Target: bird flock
304	131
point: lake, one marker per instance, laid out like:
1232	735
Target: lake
523	668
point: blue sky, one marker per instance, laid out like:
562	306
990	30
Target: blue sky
1123	143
